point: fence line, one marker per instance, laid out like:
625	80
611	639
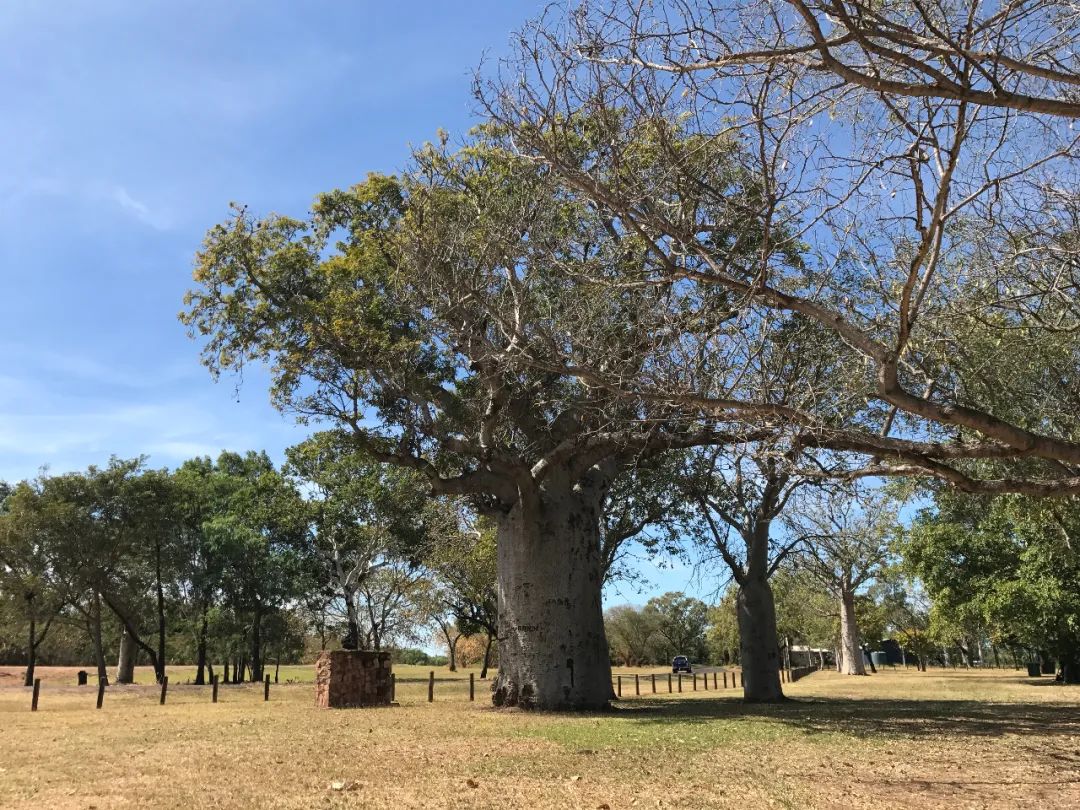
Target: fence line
464	689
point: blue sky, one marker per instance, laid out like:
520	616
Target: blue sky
126	128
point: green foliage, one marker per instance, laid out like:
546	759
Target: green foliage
1007	567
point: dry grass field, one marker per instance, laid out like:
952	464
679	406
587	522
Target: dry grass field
898	739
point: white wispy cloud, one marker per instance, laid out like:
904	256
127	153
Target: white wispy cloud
157	219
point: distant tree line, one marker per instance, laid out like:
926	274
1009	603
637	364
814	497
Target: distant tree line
234	564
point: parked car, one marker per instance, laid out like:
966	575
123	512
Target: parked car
680	663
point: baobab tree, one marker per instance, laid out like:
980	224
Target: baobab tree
399	313
844	538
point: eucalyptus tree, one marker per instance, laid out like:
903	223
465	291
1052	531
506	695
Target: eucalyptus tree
914	182
400	312
262	536
463	563
679	623
846	538
363	516
1008	566
27	579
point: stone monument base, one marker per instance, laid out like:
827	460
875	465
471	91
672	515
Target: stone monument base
346	678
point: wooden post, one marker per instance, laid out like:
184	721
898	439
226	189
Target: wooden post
669	683
100	692
695	681
680	682
740	678
714	679
431	687
725	679
266	689
472	686
164	689
213	689
37	691
637	685
654	683
705	677
393	685
618	685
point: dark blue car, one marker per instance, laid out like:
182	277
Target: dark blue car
680	663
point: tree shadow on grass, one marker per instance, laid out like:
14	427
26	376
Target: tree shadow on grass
871	718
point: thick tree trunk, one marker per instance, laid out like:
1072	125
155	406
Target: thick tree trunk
553	653
758	648
125	666
850	643
1070	666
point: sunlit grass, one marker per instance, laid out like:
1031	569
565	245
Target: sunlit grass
953	739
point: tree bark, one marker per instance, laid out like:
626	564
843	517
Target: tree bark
553	653
758	649
1070	666
125	666
850	642
95	637
487	656
31	653
200	655
159	662
353	640
256	646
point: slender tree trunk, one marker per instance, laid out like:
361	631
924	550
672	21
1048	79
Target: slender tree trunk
31	652
487	657
553	653
451	644
159	663
95	637
850	642
277	667
200	654
353	640
225	673
256	646
125	666
758	649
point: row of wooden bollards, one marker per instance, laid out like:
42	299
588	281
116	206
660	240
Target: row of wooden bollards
161	698
676	683
431	686
785	677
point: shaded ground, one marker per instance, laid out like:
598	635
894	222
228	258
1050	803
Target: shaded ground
939	739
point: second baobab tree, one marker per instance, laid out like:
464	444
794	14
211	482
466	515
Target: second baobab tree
845	537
